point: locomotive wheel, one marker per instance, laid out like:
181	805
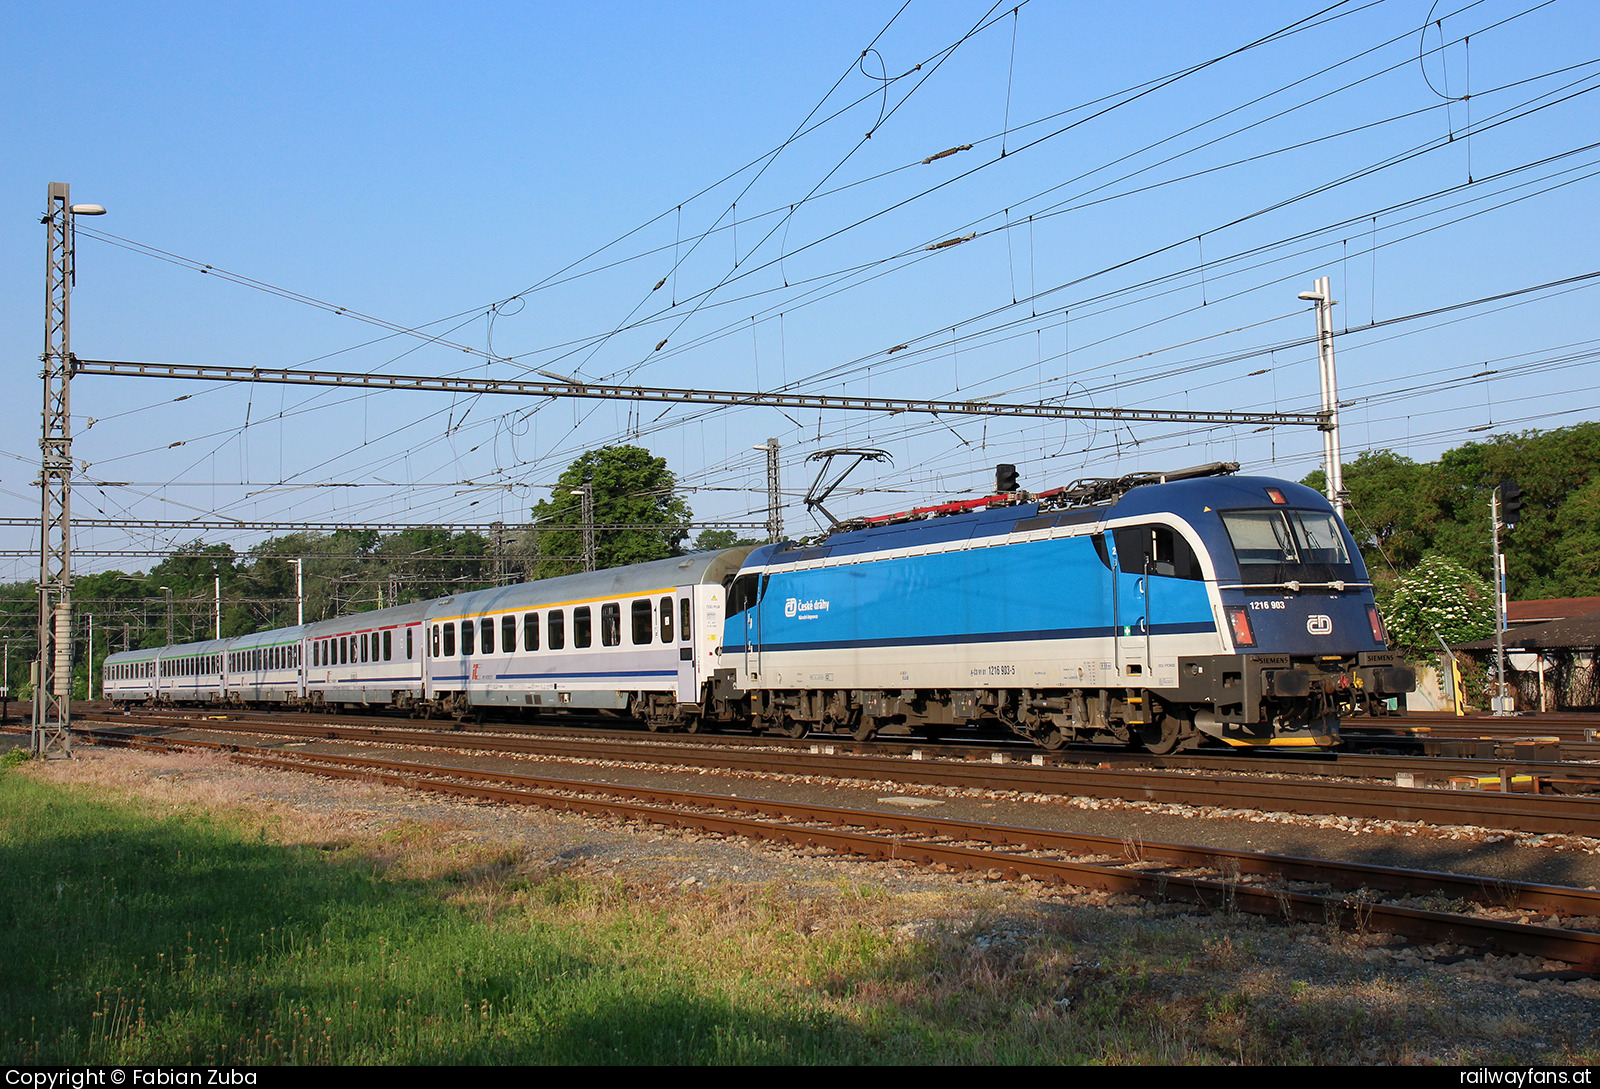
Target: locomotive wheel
1161	737
1052	739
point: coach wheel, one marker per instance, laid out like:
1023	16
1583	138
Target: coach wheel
865	729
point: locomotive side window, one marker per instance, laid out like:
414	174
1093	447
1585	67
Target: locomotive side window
610	624
742	594
581	623
530	631
556	629
666	620
643	622
1156	550
508	634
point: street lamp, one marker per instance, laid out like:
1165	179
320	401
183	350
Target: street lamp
585	491
1334	469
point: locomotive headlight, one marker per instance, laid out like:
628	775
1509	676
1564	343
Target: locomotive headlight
1239	623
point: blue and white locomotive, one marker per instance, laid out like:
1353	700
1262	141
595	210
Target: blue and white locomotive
1155	609
1152	609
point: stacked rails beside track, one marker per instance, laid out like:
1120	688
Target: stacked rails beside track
1541	813
1352	895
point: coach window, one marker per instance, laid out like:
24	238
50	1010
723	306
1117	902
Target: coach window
610	624
436	640
666	620
683	619
466	637
408	644
556	629
449	640
581	623
643	622
530	631
486	635
388	646
508	634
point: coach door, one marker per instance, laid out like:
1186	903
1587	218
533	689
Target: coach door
676	623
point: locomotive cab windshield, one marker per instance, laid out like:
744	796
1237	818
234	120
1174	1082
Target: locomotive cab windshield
1274	547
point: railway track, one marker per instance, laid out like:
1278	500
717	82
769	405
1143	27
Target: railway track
1422	906
1536	813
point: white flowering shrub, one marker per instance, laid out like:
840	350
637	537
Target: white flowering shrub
1439	595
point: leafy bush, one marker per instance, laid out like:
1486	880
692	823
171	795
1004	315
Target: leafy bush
1440	599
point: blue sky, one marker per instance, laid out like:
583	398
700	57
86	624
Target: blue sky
523	175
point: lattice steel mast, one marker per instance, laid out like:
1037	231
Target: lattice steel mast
52	693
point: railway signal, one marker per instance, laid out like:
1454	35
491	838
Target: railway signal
1510	503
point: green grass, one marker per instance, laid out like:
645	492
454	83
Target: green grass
139	935
134	937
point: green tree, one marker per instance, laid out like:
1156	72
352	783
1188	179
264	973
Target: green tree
632	488
1440	599
1387	509
1442	507
715	539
